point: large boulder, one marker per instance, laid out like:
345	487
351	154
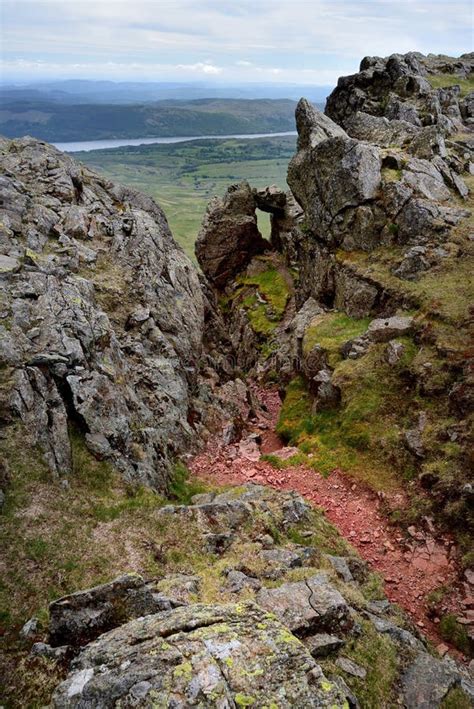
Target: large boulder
207	656
102	316
229	237
333	177
427	682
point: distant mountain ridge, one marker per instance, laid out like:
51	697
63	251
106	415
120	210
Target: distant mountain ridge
131	92
55	121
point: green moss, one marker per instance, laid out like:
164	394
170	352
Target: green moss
378	655
244	700
455	633
391	175
325	538
272	286
90	472
264	296
295	412
330	331
349	437
442	81
182	488
456	699
184	670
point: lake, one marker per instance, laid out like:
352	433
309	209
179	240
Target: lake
87	145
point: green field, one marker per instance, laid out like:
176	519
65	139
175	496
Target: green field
183	177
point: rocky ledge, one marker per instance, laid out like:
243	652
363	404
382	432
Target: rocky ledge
289	624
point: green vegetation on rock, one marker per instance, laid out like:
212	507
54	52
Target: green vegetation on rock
442	81
330	331
265	296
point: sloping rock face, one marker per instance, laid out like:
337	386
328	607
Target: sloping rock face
101	318
265	640
358	196
209	656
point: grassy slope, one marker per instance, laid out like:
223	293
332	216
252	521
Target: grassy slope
183	177
441	81
60	538
364	435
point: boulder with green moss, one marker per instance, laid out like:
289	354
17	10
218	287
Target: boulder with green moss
209	656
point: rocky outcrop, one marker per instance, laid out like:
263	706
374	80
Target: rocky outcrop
229	236
268	638
218	655
81	617
398	88
102	316
352	200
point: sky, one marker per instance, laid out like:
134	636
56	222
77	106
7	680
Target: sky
221	41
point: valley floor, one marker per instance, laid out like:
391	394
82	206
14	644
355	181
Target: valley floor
415	568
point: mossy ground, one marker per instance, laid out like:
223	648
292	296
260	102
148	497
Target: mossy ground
330	331
58	539
362	433
264	294
442	81
379	657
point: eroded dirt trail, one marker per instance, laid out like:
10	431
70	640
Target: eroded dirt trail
411	565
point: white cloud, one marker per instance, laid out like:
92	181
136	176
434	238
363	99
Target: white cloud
289	40
201	68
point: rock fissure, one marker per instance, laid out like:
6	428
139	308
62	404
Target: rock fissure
329	361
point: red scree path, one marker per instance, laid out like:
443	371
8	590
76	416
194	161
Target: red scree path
411	565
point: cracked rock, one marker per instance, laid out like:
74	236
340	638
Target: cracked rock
214	656
308	607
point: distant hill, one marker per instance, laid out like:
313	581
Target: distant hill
135	92
55	122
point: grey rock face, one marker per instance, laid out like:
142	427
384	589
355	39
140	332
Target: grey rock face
307	607
398	88
105	315
313	126
229	236
351	668
208	656
236	581
322	644
399	635
83	616
385	329
359	192
332	181
427	681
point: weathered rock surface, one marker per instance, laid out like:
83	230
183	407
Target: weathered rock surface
307	607
398	88
427	682
208	656
229	236
351	201
102	315
80	617
255	645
